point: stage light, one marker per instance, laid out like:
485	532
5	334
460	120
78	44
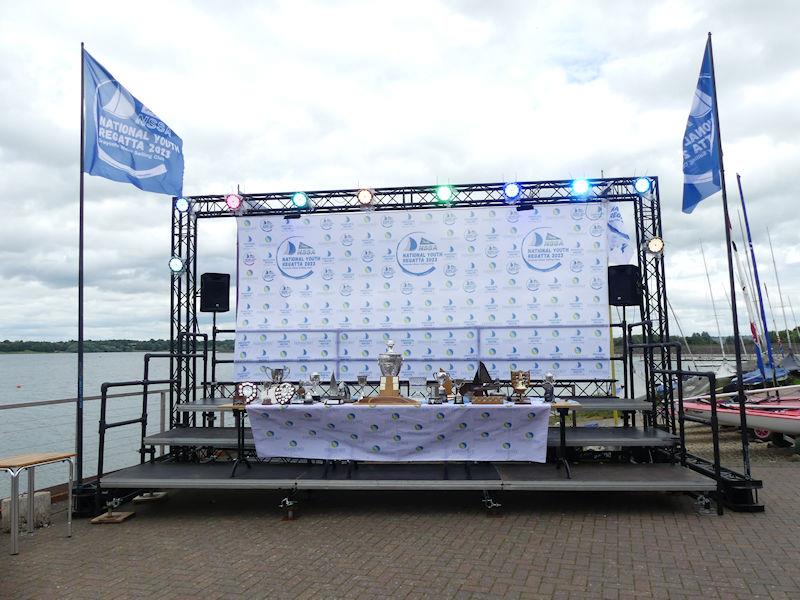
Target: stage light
233	201
580	187
176	265
655	246
300	200
444	193
512	191
181	205
642	185
365	197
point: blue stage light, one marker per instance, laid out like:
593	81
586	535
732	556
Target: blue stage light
512	191
300	200
444	193
580	187
181	204
642	185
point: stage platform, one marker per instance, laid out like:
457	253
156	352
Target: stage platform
225	437
412	476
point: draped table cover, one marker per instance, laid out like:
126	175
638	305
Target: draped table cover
429	432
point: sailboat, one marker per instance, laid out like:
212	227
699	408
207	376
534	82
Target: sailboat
789	362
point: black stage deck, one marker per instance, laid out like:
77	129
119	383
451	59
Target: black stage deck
417	476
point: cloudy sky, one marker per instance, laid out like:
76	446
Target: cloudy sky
276	96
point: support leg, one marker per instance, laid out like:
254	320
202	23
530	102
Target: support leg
31	494
69	497
14	520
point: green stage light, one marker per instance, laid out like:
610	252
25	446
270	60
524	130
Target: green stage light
444	193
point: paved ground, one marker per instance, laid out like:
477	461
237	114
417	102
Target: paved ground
423	545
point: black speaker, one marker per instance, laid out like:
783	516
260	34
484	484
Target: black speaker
624	285
215	292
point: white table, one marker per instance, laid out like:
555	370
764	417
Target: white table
429	432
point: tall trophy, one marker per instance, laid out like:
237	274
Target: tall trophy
389	390
520	382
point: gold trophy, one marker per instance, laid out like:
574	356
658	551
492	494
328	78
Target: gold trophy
389	391
520	382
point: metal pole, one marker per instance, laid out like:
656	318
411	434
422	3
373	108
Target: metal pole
735	315
780	294
794	319
79	404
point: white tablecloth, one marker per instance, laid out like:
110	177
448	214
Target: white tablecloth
452	432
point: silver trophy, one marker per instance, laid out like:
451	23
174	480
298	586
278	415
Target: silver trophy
276	374
390	361
549	387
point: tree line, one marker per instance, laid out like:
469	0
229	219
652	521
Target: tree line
151	345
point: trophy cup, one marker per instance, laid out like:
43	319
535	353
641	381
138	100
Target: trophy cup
520	382
389	391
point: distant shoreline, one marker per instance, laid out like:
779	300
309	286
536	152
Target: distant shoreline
95	346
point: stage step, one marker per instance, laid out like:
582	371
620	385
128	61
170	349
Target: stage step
218	437
225	437
612	436
611	403
586	477
204	405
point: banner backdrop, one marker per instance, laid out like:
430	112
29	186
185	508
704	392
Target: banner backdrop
518	290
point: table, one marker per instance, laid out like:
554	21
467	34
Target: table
429	432
238	412
563	407
14	465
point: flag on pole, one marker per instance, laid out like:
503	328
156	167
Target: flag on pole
701	156
125	141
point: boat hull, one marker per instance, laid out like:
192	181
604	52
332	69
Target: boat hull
772	417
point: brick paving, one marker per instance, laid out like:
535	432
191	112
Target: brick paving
422	545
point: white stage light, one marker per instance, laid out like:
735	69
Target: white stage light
365	197
176	265
655	245
181	205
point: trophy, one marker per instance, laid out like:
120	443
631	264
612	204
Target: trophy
549	387
276	374
445	386
389	390
520	382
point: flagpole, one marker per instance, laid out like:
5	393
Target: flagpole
737	348
79	405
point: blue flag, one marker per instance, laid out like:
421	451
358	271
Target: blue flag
125	141
701	160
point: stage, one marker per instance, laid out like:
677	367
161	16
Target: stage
453	476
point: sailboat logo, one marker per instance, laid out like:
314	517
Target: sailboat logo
121	103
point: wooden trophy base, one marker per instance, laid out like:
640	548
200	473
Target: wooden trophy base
388	394
488	399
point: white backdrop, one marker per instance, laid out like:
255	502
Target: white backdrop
451	287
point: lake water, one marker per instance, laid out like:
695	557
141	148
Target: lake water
34	377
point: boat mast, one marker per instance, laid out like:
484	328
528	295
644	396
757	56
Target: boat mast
713	306
683	337
757	287
740	341
774	324
780	294
794	319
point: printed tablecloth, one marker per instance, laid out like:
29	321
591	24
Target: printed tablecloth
447	432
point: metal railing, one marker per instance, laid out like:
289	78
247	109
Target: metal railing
35	444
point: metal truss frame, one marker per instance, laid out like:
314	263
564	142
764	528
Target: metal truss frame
647	210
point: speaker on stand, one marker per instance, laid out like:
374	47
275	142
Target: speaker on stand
215	294
625	289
